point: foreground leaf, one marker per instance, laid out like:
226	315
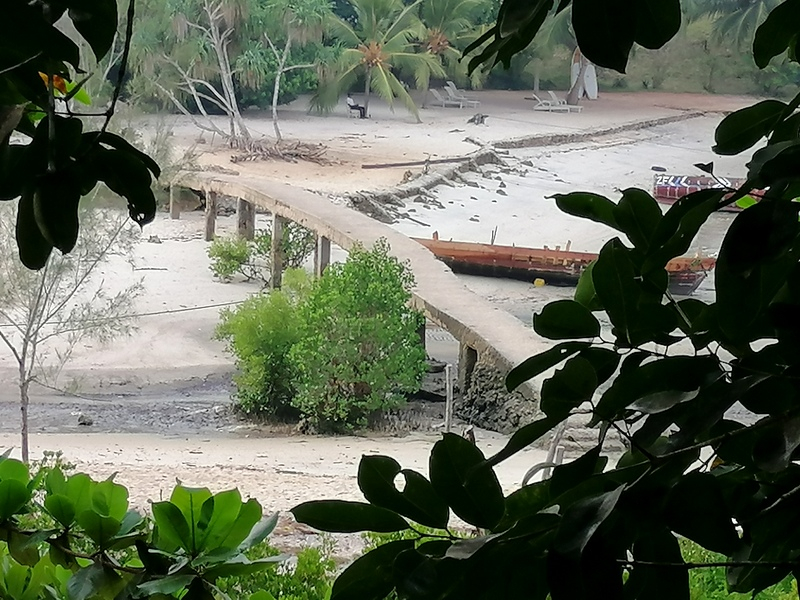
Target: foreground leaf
342	516
474	494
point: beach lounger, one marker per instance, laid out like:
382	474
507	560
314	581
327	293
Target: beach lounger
546	105
454	94
560	102
444	102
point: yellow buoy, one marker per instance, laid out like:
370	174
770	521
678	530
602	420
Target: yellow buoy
539	282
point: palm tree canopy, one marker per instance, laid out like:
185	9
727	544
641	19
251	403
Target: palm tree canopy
734	20
377	46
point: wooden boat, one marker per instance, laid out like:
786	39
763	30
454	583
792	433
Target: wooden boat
668	189
555	266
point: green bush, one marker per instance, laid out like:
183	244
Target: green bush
77	538
230	257
711	583
359	350
260	333
251	259
334	351
310	578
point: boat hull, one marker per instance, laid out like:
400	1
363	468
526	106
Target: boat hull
554	266
668	189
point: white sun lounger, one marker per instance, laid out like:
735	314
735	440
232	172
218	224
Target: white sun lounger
444	102
547	105
560	102
455	95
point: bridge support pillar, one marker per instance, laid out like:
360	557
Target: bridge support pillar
322	255
246	219
467	359
174	205
276	252
211	215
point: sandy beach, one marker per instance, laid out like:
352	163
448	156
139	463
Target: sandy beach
172	359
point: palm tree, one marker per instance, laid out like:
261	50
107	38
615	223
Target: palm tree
445	26
376	47
733	21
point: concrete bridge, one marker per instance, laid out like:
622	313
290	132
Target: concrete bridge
491	341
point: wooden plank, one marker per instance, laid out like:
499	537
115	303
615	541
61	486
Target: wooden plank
415	163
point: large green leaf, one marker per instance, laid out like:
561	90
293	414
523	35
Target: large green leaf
538	364
249	515
78	489
568	388
99	528
94	581
96	21
342	516
585	294
603	361
638	214
473	493
13	496
566	319
679	226
776	447
60	508
697	510
172	530
777	33
34	249
110	499
581	520
744	128
605	31
657	22
166	585
523	438
241	566
11	468
24	547
588	206
260	531
417	501
370	577
568	476
190	502
658	385
614	278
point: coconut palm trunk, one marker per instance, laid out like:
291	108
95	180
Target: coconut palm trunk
367	82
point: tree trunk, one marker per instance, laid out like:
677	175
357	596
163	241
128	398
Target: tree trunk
276	88
220	39
23	407
536	81
367	81
576	91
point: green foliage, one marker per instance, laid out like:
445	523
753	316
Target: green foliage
359	350
87	542
260	334
377	47
251	258
711	584
55	162
309	578
334	351
676	368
